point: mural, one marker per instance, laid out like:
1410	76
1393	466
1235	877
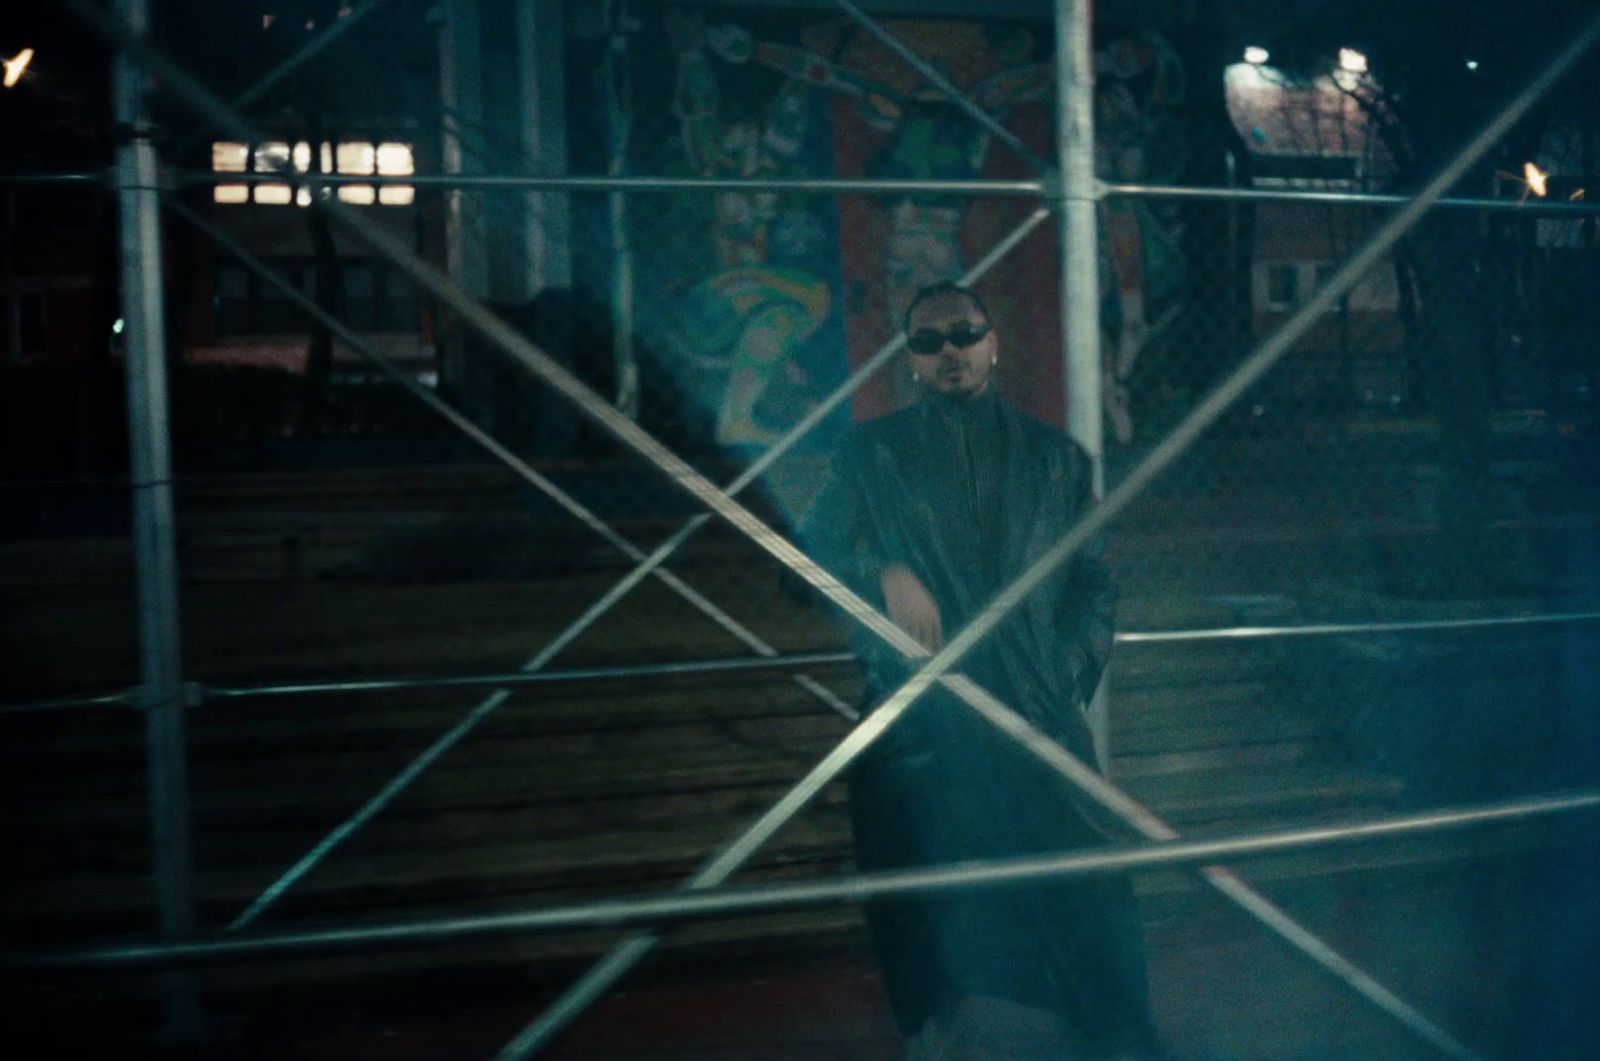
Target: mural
763	301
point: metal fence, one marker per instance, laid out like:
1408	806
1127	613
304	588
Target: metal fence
1297	454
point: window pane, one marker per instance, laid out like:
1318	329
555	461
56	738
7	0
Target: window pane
356	285
277	314
272	158
360	194
232	304
231	193
1283	285
273	194
302	157
400	304
394	160
397	195
229	157
356	157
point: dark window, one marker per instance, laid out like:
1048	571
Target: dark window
275	314
1283	286
233	300
400	304
357	294
369	298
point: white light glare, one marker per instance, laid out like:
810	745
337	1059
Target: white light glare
117	326
1255	55
16	65
1352	61
1472	64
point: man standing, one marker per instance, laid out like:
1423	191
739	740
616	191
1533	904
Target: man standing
929	512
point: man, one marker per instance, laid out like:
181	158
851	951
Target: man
929	512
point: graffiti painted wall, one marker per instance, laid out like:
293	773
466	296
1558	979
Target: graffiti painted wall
761	303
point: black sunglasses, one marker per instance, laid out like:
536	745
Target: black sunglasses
961	335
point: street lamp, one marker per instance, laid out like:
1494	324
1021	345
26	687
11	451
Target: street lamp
16	65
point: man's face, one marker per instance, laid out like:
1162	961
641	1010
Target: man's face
958	371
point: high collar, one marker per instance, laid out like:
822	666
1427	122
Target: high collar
959	408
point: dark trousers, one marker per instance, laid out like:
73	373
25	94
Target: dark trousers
1075	948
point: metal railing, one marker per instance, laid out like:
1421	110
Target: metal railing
201	693
851	889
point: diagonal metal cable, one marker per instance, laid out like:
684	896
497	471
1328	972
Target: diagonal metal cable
931	74
401	781
645	565
300	57
792	437
937	669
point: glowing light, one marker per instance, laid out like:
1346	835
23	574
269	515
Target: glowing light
359	194
229	157
1472	64
394	160
117	326
1255	55
1536	179
231	193
1352	61
274	194
356	157
1576	197
17	65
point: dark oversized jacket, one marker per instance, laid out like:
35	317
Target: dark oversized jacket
898	492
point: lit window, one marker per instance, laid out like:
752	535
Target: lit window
394	160
274	194
229	158
273	157
351	157
356	158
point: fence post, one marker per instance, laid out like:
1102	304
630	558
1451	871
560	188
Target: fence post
1080	274
155	554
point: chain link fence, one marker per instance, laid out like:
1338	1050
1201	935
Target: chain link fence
1424	457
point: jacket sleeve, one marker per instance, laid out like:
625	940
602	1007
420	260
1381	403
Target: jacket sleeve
836	528
1088	611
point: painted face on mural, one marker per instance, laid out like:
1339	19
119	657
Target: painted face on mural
952	369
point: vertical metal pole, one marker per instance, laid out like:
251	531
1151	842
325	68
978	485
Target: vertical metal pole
619	103
153	531
1080	270
542	57
461	90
